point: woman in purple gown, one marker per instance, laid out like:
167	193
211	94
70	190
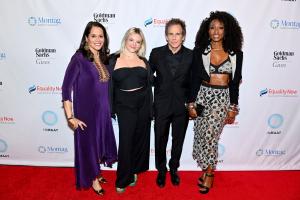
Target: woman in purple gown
88	113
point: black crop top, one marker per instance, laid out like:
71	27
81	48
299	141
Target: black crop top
128	78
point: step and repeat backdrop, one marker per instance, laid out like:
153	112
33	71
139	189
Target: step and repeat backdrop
38	38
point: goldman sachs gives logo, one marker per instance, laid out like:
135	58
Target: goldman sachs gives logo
105	18
282	58
44	55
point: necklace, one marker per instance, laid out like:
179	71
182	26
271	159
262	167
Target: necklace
103	73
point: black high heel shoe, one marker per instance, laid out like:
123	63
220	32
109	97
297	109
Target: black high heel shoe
207	183
101	179
99	192
201	179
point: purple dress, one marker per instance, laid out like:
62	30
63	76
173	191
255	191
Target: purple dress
96	143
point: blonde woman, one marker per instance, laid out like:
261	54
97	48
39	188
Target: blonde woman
132	102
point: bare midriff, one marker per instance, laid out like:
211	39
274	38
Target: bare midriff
218	79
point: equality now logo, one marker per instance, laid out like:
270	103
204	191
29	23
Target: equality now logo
7	120
278	92
44	89
155	22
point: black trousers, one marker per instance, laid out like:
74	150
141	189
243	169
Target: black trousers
179	123
133	113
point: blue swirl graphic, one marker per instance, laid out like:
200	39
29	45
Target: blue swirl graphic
263	92
31	89
148	22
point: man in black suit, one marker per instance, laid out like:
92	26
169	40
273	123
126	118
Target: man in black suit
172	65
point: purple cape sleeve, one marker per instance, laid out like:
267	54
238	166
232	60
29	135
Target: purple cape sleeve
71	74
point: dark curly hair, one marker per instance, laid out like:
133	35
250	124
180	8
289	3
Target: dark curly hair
103	52
233	37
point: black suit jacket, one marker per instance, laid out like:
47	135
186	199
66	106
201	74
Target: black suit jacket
170	91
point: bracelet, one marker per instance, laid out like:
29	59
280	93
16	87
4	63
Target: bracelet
234	108
190	106
69	118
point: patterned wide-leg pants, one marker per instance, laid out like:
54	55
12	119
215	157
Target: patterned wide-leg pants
209	125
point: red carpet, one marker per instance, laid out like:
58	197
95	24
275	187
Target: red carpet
20	182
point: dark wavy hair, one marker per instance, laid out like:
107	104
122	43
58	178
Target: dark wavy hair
175	21
103	52
233	37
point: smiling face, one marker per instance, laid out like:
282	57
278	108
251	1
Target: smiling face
175	37
95	39
133	43
216	30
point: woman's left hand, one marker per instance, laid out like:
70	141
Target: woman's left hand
74	123
230	117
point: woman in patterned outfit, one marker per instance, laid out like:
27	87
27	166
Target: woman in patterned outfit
216	76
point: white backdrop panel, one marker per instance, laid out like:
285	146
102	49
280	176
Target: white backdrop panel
33	129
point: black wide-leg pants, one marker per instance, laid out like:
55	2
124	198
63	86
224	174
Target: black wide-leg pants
133	113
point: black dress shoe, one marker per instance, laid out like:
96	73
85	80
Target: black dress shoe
161	179
174	177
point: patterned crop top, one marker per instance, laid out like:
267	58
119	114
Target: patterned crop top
223	68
